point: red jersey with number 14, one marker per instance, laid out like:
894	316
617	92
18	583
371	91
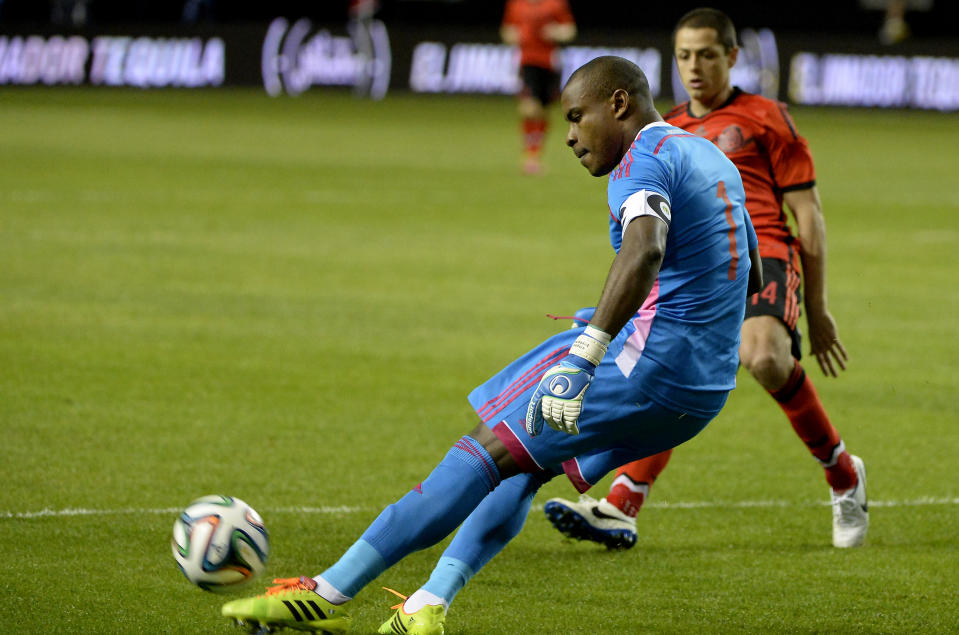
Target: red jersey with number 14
759	137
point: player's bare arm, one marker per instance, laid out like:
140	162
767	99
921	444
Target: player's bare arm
823	333
632	274
558	399
509	34
559	32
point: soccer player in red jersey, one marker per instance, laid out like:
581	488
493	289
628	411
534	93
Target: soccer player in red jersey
537	27
759	136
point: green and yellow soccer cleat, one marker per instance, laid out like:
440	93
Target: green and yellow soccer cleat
290	604
427	621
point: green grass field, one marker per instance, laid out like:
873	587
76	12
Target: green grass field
288	301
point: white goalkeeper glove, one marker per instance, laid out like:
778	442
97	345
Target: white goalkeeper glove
558	400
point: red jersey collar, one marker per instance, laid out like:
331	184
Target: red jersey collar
737	91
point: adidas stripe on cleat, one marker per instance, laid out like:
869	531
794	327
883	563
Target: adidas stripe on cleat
591	519
429	620
291	604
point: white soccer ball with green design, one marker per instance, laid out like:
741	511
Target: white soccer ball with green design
219	542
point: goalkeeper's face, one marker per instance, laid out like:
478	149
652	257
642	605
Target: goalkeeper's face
595	134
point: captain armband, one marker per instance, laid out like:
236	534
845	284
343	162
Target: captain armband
645	203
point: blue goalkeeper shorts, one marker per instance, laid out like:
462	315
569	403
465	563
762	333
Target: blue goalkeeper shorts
618	424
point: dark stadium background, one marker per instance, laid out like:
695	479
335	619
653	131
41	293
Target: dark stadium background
814	16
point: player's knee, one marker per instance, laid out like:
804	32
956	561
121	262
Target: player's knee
767	365
505	462
531	108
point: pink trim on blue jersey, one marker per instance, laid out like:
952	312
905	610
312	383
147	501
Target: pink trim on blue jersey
575	475
527	380
622	169
516	448
613	216
663	140
636	342
650	303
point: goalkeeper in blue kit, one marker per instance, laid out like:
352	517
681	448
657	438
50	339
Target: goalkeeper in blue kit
653	367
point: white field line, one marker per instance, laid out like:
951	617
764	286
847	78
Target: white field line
916	502
73	511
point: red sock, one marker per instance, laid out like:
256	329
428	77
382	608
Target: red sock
800	401
631	485
534	130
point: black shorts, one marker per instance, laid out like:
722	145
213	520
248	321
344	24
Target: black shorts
781	297
540	83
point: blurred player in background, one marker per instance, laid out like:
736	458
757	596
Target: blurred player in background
359	25
537	27
759	136
658	362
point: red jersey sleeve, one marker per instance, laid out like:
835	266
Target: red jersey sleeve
562	14
789	154
509	15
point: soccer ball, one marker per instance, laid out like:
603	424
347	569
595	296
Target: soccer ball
219	541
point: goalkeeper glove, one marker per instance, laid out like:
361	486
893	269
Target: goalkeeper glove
558	400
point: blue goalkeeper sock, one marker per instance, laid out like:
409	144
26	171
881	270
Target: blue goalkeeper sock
420	519
486	531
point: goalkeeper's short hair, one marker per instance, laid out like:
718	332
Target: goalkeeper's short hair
606	74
